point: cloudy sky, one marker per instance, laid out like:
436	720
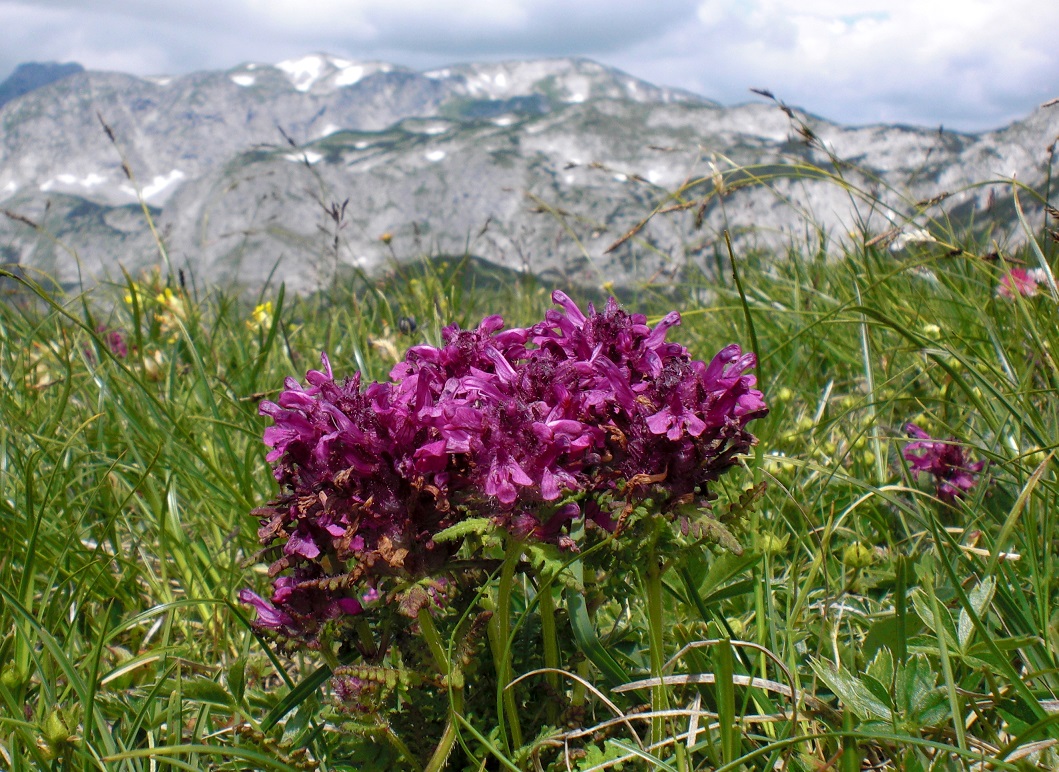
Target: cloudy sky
966	64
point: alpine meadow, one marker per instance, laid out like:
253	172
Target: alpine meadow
786	503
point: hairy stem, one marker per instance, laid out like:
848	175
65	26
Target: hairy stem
433	640
546	608
501	631
454	680
655	633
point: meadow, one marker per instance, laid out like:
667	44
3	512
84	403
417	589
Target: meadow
836	606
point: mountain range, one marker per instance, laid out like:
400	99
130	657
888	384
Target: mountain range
32	75
298	170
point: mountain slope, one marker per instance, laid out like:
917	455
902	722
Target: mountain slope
537	165
33	75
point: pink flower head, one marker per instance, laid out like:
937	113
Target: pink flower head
1021	281
954	474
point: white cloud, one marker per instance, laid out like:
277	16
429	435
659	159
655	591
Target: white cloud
973	63
969	64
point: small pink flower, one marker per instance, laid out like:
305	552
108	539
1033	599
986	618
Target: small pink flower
1021	281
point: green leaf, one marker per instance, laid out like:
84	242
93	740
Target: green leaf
887	630
201	689
925	610
296	696
547	560
1006	644
595	758
934	710
262	760
585	633
879	689
475	525
851	692
980	597
917	682
882	667
237	679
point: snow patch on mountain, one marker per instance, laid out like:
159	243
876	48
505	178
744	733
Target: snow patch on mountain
347	76
158	189
303	72
61	181
305	156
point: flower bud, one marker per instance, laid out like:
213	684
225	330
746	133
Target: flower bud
771	544
12	677
858	556
55	731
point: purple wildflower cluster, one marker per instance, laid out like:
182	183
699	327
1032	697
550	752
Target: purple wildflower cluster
954	474
114	341
578	416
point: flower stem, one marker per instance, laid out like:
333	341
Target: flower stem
501	624
403	749
448	737
546	608
655	632
454	680
433	640
366	639
329	656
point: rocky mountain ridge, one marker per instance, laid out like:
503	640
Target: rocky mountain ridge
30	76
297	170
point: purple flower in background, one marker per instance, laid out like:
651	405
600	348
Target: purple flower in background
114	340
947	461
500	423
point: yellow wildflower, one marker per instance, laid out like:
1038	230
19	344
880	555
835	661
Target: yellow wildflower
260	317
172	302
174	311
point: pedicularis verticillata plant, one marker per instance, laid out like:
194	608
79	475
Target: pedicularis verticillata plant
947	460
546	431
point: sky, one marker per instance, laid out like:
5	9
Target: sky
967	65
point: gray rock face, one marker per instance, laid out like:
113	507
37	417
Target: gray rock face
297	170
32	75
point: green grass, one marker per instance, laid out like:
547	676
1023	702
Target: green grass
865	622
